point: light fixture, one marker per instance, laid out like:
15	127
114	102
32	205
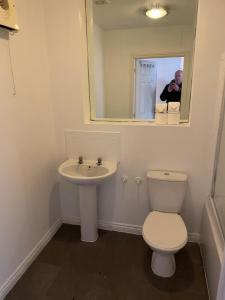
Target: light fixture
156	12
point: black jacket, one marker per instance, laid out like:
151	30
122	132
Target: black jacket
174	96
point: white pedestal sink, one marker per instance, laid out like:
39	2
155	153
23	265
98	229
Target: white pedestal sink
87	176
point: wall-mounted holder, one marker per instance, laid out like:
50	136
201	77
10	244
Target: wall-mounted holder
8	18
8	22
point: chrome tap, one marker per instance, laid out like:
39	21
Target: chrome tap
80	160
99	161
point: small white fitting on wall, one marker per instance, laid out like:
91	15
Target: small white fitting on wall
124	179
138	180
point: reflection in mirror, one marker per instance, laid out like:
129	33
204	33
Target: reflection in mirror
136	62
156	79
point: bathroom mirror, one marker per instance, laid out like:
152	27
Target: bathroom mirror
136	61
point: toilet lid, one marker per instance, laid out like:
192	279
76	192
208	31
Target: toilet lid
165	231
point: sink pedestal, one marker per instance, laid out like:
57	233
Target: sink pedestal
88	213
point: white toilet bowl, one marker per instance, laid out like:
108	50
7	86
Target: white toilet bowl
166	234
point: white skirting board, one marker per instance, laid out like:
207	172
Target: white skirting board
21	269
123	227
111	226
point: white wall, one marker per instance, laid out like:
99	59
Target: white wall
29	198
120	46
99	71
188	149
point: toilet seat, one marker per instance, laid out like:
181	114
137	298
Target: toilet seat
165	231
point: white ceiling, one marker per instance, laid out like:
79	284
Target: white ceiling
122	14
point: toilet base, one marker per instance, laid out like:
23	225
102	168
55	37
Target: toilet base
163	264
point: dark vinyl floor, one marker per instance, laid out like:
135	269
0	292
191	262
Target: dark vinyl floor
116	267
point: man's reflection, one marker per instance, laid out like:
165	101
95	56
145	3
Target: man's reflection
172	91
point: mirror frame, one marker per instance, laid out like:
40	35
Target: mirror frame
187	83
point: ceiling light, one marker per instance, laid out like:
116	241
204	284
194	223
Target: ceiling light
156	12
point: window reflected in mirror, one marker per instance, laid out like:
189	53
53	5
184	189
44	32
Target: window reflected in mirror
135	61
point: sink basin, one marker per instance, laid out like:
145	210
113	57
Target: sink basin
87	173
87	176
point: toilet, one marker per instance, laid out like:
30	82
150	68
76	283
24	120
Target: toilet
164	229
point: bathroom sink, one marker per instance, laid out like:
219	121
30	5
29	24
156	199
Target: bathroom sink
87	173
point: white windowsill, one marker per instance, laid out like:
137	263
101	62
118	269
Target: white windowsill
183	123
